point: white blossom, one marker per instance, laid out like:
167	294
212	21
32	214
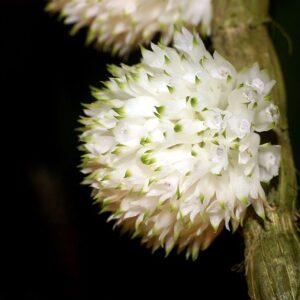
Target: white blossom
172	145
121	25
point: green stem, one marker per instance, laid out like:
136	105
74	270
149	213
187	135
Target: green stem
272	248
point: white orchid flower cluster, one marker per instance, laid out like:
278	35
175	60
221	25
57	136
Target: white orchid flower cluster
172	145
121	25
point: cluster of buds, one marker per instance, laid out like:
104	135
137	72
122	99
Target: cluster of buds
172	145
121	25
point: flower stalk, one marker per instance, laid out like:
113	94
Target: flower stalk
272	248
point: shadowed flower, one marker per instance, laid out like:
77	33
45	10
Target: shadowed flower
121	25
172	145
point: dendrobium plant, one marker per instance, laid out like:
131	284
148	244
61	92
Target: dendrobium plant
119	26
172	145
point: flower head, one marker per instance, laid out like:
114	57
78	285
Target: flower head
172	145
121	25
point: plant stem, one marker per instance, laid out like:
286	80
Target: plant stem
272	248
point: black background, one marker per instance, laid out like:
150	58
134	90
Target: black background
55	244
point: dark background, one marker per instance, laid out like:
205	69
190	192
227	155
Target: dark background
54	243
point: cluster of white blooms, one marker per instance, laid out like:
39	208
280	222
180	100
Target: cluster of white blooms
172	145
121	25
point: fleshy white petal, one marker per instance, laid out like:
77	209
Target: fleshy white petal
268	159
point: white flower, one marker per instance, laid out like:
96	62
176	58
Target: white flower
172	148
121	25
